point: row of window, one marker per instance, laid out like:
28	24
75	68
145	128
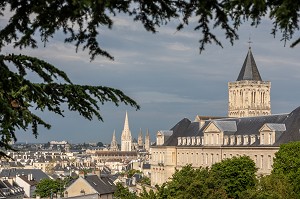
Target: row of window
207	159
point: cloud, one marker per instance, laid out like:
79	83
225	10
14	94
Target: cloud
158	97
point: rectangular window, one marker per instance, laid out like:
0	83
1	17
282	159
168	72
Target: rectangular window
173	157
261	161
269	162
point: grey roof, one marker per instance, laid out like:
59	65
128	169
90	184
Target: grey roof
103	185
166	132
226	126
249	70
146	166
244	126
37	174
276	127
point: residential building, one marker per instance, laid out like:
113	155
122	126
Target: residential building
91	187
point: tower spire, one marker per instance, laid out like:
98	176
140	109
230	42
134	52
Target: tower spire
126	123
114	143
249	70
126	136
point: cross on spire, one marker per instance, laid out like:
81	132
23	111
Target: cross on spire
249	42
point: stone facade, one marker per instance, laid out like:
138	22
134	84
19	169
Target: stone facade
249	95
249	130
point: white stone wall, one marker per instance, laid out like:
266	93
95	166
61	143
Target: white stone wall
205	157
249	98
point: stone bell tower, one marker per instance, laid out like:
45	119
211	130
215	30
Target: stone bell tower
249	95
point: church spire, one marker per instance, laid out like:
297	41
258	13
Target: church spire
126	136
114	143
126	125
249	70
140	139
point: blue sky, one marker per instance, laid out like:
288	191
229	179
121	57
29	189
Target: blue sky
166	75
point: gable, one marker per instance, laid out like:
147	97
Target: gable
264	128
80	184
211	127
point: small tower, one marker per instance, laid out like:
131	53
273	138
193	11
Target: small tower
249	95
140	140
147	141
114	143
126	139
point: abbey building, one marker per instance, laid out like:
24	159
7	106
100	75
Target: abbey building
249	129
249	95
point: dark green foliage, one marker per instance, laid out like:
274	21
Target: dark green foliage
145	180
100	144
46	187
123	193
191	183
287	163
19	96
234	175
81	21
270	187
91	16
131	172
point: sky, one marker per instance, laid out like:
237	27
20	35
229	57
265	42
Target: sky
166	75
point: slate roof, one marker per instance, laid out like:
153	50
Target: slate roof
276	127
103	185
12	173
249	70
244	126
226	126
8	190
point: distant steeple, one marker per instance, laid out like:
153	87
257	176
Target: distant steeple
114	143
249	70
147	140
126	136
140	139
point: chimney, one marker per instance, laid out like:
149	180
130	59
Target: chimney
81	174
98	172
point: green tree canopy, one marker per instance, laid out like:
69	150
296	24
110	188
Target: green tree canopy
123	193
287	163
272	186
46	187
81	22
235	175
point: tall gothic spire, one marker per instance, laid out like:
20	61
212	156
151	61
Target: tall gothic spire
114	143
126	136
249	70
140	138
126	126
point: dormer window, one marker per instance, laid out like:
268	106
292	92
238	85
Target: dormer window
232	140
179	140
198	140
252	139
193	140
246	139
226	140
188	140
